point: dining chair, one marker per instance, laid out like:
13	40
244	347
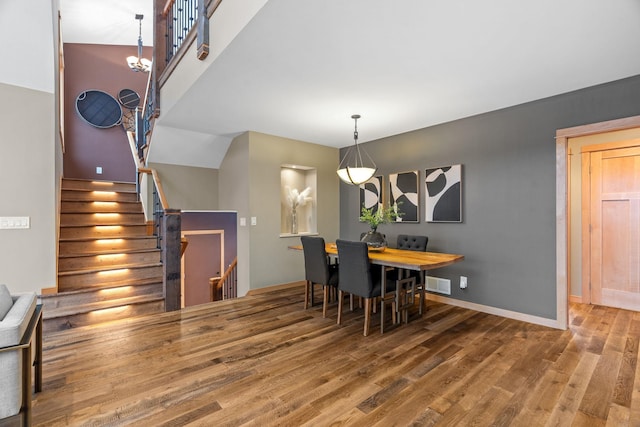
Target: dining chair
357	277
318	270
415	243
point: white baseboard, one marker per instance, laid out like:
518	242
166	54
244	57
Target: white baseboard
552	323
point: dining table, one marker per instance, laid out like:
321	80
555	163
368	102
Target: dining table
402	260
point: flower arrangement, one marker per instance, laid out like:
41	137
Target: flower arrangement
297	198
381	216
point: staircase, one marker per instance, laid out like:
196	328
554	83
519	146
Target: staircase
108	267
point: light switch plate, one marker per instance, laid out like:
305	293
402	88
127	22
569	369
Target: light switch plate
14	222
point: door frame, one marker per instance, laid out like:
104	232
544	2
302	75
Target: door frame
562	205
182	267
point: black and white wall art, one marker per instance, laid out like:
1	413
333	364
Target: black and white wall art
371	194
443	194
404	191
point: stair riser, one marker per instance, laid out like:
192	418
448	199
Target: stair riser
85	319
104	207
99	196
70	184
109	260
93	246
55	301
100	219
79	281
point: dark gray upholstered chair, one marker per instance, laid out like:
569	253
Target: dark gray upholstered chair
412	243
357	277
415	243
318	271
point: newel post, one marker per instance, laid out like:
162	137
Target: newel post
171	230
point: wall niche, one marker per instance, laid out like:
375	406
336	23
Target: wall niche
298	207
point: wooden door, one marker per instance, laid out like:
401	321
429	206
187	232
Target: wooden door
615	227
201	261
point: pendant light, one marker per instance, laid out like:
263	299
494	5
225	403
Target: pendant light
138	63
354	167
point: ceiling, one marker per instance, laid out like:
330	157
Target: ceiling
301	68
106	22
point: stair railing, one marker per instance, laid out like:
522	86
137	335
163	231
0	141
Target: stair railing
179	24
165	226
180	16
227	285
145	115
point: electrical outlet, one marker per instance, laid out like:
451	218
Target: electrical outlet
99	170
463	282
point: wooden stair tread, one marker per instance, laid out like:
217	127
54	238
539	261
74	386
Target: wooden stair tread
89	239
90	190
109	268
97	180
98	224
124	202
52	313
108	252
111	211
111	285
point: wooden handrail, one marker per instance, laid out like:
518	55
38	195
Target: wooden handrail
228	270
167	6
134	150
183	245
215	286
143	169
156	180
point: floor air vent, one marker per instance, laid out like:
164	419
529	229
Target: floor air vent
439	285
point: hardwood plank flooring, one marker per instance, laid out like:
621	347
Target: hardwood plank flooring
262	360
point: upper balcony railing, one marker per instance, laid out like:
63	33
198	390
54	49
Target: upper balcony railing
181	16
178	24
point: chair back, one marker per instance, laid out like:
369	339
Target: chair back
412	243
316	265
354	273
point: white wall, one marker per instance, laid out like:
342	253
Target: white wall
26	26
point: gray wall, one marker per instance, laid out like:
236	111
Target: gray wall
31	159
28	182
187	187
233	194
509	173
249	180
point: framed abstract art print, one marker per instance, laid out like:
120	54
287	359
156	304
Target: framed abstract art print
443	194
403	191
371	194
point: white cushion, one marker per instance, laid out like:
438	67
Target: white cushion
5	301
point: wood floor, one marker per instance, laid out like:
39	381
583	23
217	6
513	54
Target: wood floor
263	360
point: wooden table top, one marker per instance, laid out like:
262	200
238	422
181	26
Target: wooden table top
401	258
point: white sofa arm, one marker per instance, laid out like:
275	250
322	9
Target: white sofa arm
12	331
15	323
